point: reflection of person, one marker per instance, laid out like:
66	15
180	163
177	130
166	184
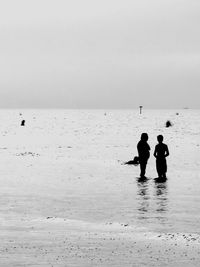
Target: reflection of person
160	153
143	153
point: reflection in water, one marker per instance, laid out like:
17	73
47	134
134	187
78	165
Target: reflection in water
161	192
152	200
143	197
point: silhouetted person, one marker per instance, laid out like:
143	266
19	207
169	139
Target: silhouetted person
160	153
143	153
168	124
23	123
135	161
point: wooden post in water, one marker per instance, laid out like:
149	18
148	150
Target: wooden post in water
141	109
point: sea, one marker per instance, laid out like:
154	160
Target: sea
70	164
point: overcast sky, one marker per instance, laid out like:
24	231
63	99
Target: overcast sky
99	54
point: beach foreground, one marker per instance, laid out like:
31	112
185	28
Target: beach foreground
67	199
59	242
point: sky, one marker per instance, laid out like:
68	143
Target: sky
99	54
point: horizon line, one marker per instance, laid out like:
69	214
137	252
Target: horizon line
103	108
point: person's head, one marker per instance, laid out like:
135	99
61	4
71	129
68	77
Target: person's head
160	138
144	137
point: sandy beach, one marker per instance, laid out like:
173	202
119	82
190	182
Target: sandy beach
67	199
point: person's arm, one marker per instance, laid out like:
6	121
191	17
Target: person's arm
155	152
149	147
167	151
138	149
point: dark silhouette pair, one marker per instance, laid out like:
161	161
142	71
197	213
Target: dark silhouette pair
160	153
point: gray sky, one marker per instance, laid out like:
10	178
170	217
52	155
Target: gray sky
99	54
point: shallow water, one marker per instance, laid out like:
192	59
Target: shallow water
68	163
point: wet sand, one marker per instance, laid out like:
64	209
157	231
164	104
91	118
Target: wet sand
60	242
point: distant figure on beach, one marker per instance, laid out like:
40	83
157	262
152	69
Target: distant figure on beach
160	153
168	124
143	153
135	161
23	123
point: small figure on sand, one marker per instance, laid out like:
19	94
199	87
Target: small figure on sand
143	153
168	124
23	123
160	153
135	161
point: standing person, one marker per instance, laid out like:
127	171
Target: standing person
143	153
160	153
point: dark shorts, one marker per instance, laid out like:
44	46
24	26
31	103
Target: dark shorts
161	165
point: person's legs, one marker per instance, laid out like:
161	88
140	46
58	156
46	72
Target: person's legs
143	165
161	167
158	168
164	168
